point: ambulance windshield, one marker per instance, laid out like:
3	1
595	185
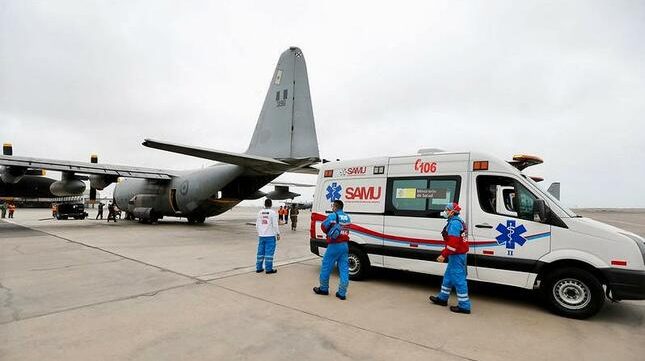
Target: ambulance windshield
566	209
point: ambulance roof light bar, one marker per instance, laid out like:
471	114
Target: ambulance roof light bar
523	161
430	151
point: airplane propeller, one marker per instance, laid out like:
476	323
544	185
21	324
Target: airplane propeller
93	159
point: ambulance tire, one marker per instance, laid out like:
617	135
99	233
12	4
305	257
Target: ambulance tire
573	292
359	264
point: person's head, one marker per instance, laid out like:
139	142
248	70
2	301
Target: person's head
337	205
268	203
452	209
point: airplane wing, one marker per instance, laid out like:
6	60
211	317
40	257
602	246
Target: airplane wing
266	164
87	168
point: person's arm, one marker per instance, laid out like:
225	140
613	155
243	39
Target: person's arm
274	221
258	221
327	223
452	240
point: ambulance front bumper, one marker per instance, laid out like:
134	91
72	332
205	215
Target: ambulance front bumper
625	284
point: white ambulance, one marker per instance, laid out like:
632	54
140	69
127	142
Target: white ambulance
519	235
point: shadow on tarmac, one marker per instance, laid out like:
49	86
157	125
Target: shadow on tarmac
623	313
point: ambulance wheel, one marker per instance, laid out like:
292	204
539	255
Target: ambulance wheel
573	293
359	264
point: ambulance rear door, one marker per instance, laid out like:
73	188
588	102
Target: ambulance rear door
361	187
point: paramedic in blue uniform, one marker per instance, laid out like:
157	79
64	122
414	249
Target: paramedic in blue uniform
455	250
336	227
268	234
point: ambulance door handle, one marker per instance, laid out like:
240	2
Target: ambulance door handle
484	225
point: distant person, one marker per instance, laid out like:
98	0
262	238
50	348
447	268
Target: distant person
54	210
111	213
455	250
294	217
336	227
3	209
268	235
12	209
100	212
279	211
286	214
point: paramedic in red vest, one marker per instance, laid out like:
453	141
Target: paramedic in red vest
268	235
455	250
336	227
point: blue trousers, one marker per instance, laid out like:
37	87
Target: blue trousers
455	276
266	248
336	253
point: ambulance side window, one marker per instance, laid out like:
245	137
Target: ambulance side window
505	196
421	196
404	194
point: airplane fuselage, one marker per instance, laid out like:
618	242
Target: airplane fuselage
196	194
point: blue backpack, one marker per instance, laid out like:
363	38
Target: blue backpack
334	231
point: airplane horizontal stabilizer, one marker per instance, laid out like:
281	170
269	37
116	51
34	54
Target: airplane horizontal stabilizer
256	162
288	184
305	170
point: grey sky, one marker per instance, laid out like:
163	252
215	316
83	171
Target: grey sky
564	80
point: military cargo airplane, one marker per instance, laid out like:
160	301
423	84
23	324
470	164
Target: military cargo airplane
19	182
284	140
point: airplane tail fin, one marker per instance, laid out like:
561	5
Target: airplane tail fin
554	190
285	129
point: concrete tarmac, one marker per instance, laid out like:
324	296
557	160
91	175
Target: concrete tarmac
78	290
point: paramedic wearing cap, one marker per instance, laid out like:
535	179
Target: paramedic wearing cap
455	250
336	227
268	234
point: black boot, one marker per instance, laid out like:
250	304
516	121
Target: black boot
438	301
458	309
318	291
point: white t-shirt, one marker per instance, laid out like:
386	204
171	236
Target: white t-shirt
267	223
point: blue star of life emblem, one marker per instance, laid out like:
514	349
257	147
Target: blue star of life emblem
510	234
333	192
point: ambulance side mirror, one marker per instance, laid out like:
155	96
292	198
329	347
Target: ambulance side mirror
540	210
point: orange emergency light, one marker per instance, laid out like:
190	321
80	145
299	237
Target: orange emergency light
480	165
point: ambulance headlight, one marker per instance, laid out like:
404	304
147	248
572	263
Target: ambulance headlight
640	242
